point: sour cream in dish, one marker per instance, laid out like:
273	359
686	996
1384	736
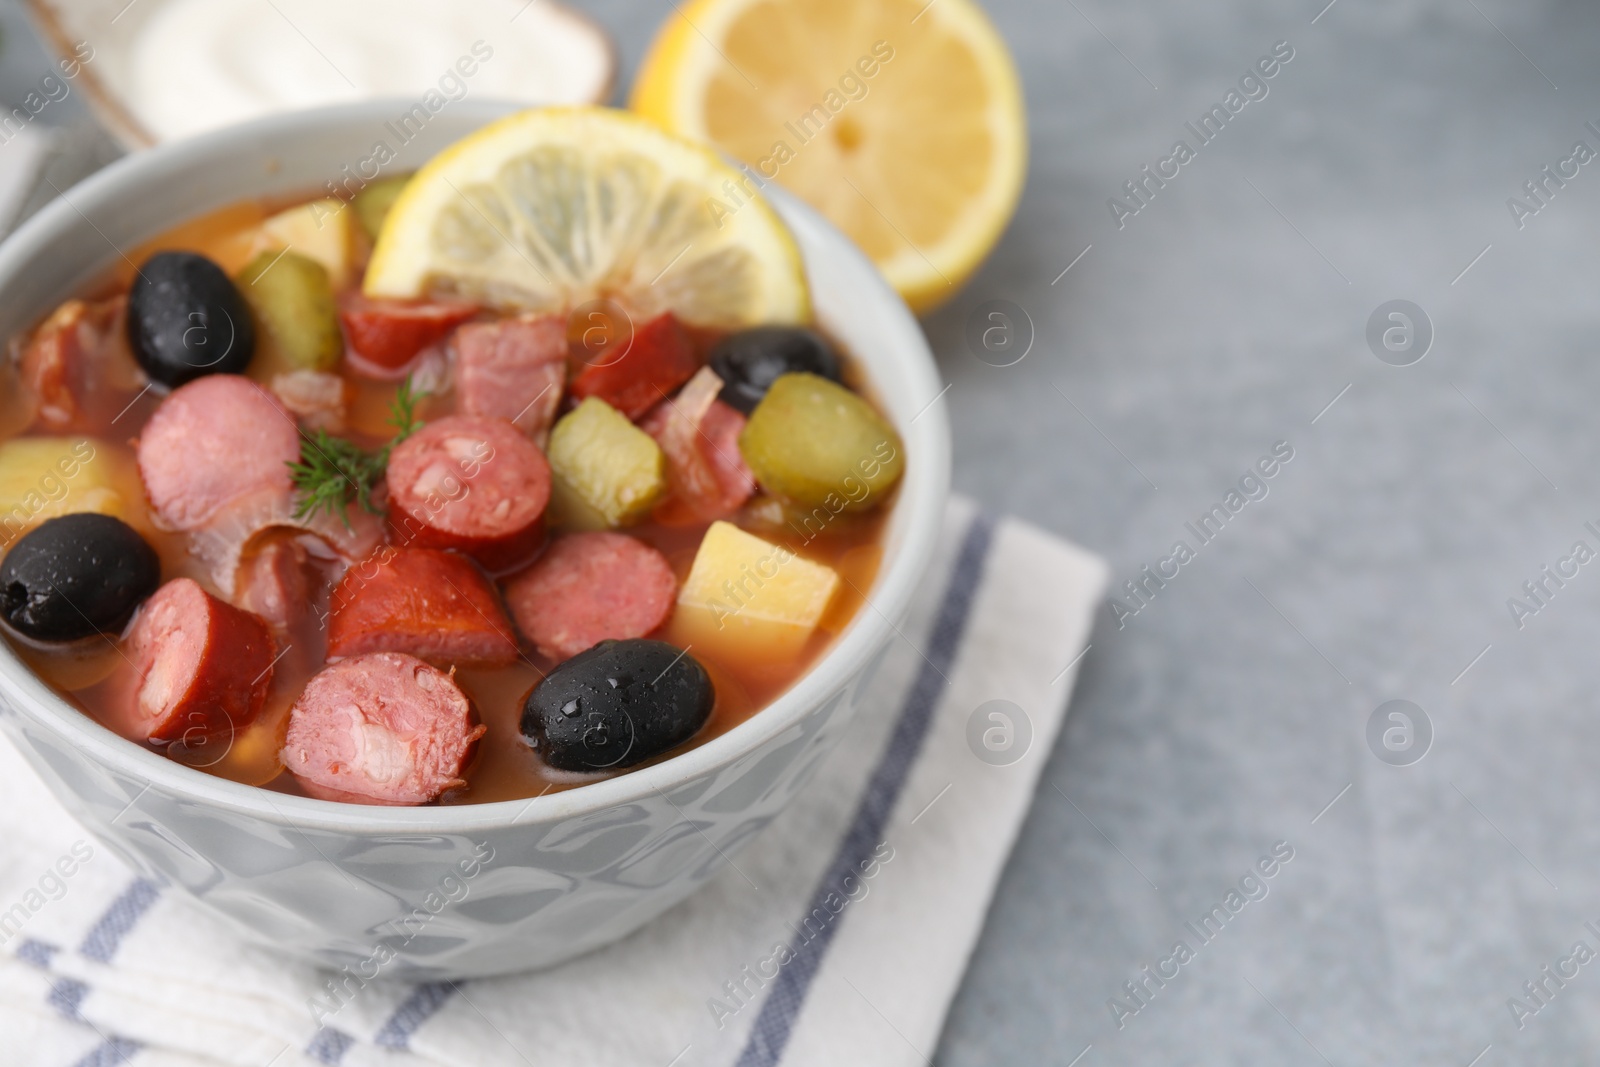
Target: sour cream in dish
196	65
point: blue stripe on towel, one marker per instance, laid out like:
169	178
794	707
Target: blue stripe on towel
112	1053
36	952
101	942
329	1046
66	996
773	1027
418	1008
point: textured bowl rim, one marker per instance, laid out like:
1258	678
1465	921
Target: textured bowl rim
920	507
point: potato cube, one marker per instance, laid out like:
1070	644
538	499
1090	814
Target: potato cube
751	597
606	471
43	477
320	230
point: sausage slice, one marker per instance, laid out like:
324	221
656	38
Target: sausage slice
589	587
214	441
433	605
472	484
659	357
384	336
514	370
384	728
203	665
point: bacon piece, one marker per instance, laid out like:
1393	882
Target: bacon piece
699	435
314	397
275	583
78	348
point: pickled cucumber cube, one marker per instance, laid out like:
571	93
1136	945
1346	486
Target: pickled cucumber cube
43	477
748	597
292	301
372	204
817	443
606	472
320	230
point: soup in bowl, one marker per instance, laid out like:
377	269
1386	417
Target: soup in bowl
377	528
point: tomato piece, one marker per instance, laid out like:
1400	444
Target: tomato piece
659	358
388	334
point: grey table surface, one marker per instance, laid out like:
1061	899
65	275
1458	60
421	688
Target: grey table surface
1231	713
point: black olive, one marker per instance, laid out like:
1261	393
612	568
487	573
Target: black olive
76	576
616	705
748	362
186	319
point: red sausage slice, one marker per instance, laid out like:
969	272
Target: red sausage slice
513	370
589	587
659	358
386	335
212	442
473	484
383	728
204	666
433	605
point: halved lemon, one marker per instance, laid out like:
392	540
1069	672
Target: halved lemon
547	210
900	120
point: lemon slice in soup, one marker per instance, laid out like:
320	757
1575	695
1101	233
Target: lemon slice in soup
547	210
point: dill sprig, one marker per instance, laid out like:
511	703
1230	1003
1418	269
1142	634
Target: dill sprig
403	414
334	472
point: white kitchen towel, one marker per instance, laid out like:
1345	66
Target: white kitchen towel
838	936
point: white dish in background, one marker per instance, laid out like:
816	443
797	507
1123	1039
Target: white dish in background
567	872
165	69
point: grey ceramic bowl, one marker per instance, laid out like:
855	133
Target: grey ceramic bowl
567	872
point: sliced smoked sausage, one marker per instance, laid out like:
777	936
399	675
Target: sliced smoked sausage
652	363
214	441
384	336
514	369
383	728
589	587
473	484
203	666
435	605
